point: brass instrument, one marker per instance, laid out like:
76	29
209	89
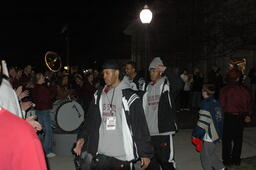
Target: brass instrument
53	61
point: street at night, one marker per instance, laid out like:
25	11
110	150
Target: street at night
130	84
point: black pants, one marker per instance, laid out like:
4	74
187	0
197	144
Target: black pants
102	162
161	146
177	101
232	138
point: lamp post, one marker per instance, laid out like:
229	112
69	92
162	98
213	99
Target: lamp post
146	18
65	33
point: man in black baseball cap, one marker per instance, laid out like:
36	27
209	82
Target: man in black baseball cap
116	124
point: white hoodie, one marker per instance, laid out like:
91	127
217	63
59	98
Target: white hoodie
9	99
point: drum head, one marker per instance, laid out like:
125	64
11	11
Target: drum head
69	116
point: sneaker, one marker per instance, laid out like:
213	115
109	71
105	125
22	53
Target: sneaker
237	163
227	163
50	155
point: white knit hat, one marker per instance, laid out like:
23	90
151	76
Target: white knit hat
154	62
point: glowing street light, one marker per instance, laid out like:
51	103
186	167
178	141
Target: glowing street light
146	15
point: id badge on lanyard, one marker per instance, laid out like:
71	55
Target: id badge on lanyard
111	123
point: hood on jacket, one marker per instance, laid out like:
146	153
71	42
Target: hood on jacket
154	62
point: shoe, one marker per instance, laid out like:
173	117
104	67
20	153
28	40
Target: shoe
50	155
237	163
227	163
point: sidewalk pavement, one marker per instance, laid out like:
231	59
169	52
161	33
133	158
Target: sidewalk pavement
185	155
188	159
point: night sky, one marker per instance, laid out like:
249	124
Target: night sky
95	30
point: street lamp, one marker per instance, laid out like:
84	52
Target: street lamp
65	32
146	17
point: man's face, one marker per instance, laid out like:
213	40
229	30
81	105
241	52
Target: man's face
78	81
155	74
90	78
19	73
13	72
42	79
65	80
204	94
196	71
110	76
28	69
129	70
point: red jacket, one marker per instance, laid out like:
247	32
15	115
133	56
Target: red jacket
42	97
20	146
235	99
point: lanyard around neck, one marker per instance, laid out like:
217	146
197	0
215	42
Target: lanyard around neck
112	98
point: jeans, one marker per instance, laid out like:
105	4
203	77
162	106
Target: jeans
46	136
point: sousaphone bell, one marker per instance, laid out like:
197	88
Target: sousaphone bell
52	61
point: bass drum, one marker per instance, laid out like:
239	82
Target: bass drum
69	115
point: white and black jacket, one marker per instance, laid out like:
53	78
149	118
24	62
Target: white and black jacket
135	130
166	108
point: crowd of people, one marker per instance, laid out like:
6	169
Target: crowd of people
223	107
129	118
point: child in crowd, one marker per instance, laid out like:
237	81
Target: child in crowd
208	131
